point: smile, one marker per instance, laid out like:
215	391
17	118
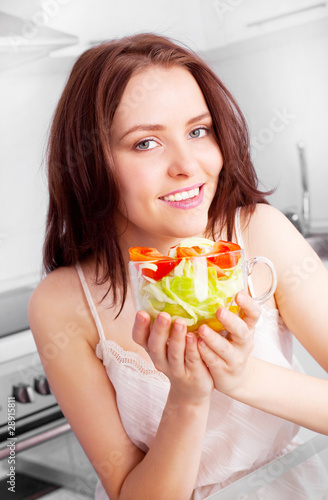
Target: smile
182	195
185	199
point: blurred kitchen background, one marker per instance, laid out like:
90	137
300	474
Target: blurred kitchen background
273	57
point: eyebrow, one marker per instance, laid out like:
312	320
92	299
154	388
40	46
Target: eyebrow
152	126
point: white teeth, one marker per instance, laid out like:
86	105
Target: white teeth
183	195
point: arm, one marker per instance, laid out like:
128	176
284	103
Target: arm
294	396
302	301
87	398
170	467
280	391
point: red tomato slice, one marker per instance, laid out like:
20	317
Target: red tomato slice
225	260
164	268
225	246
165	264
182	252
145	253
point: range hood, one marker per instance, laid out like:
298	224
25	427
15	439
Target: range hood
23	40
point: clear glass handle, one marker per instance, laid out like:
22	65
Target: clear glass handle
266	295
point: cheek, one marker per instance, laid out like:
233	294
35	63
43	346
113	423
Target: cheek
216	165
135	189
139	183
214	160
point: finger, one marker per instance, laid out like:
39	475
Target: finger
213	346
157	341
239	333
176	348
192	355
251	309
241	329
140	329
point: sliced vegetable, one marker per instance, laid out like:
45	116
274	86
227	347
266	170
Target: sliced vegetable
145	253
188	252
187	286
163	269
152	254
228	255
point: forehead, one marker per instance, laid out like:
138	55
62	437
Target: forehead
156	92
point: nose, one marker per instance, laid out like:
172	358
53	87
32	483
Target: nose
182	161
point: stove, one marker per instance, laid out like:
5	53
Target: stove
24	389
37	446
25	395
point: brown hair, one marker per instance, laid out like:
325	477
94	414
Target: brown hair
83	192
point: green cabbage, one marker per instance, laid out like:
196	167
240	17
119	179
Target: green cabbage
178	293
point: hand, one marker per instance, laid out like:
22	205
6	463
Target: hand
175	353
227	358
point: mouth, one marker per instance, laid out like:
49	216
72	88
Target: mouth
183	194
185	199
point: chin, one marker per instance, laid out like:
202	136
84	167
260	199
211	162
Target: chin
190	230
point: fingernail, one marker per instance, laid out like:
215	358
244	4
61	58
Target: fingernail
162	319
203	331
178	325
222	313
140	317
202	345
190	338
241	298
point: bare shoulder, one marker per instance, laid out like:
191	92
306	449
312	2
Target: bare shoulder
264	218
268	232
63	280
58	304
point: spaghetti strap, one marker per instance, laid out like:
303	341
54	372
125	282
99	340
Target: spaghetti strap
90	301
241	244
237	228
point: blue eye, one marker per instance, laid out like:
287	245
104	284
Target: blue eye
198	132
145	145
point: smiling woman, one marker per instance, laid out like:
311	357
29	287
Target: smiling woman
161	153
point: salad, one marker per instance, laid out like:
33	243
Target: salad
192	282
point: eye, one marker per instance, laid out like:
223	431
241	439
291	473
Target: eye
198	132
146	145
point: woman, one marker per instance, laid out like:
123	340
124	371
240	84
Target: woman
148	147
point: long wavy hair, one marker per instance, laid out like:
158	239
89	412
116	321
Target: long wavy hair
83	192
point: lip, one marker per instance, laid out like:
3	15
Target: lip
189	203
184	189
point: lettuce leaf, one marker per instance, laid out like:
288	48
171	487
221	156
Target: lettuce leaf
179	294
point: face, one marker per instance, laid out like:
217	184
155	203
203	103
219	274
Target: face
166	158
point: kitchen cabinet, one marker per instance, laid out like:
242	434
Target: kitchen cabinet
229	21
